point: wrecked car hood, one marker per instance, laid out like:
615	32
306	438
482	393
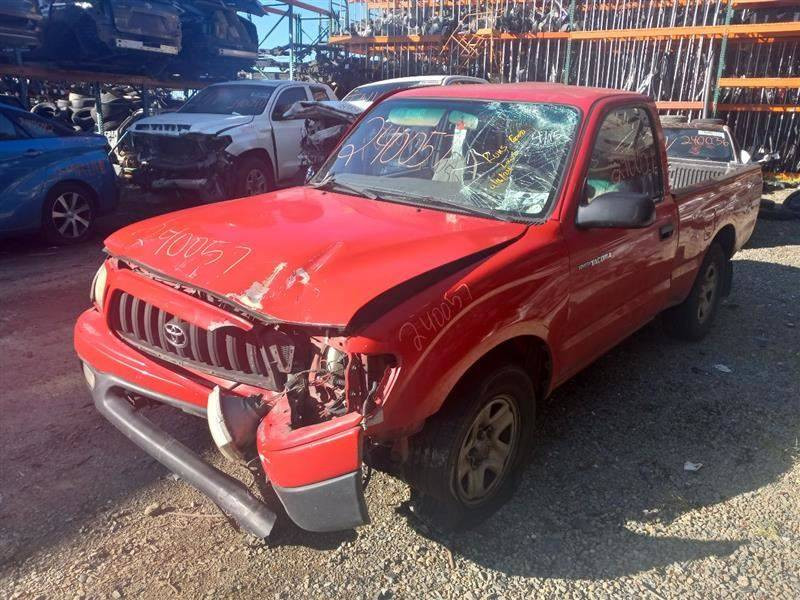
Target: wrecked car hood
336	110
178	123
302	255
361	105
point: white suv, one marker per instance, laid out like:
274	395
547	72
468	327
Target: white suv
230	139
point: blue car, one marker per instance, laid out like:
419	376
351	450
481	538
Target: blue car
52	180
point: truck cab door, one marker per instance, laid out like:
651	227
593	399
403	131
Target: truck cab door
620	278
287	132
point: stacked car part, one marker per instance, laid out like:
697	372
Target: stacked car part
116	35
734	58
216	41
20	24
158	38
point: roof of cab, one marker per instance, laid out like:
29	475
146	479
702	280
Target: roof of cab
263	82
582	97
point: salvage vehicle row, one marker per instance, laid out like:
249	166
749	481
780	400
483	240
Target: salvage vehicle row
195	38
247	137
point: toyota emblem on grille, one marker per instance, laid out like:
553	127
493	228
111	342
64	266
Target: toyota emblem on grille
176	334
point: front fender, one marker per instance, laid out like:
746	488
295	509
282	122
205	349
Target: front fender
442	332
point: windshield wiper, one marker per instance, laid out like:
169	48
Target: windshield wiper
330	183
424	200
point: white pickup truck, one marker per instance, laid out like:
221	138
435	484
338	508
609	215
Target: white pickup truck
228	140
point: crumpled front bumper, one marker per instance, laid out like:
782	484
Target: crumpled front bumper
317	477
230	495
331	505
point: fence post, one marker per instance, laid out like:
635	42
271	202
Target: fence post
291	41
722	50
23	82
98	107
568	58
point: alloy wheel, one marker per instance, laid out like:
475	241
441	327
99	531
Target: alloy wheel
708	292
486	452
71	215
255	182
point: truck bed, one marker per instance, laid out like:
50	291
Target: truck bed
686	173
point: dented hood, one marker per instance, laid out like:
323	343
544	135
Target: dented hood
302	255
179	123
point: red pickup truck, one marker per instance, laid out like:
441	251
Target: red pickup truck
462	253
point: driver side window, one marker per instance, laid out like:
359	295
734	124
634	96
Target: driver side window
285	101
625	157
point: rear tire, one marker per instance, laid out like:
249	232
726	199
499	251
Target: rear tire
693	318
68	214
467	460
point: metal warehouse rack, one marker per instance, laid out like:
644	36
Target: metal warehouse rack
734	59
52	73
326	19
46	72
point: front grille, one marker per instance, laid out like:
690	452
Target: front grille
178	149
256	357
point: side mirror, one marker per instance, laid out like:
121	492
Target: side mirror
745	157
624	210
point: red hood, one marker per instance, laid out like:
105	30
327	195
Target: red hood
302	255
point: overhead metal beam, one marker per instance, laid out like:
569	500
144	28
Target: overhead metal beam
760	82
305	6
274	11
49	73
724	107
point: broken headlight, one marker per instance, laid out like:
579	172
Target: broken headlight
98	292
335	383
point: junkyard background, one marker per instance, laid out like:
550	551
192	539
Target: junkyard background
737	60
606	507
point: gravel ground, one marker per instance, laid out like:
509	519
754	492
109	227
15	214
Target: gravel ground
605	508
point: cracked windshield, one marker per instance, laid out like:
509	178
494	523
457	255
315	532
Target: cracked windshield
498	159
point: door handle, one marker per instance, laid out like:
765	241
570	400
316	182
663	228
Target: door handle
32	153
666	231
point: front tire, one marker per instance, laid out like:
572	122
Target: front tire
253	176
68	214
467	460
693	318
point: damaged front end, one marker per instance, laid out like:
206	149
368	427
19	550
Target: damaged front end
308	436
294	399
191	161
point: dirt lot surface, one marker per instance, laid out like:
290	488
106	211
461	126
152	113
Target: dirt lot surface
606	507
